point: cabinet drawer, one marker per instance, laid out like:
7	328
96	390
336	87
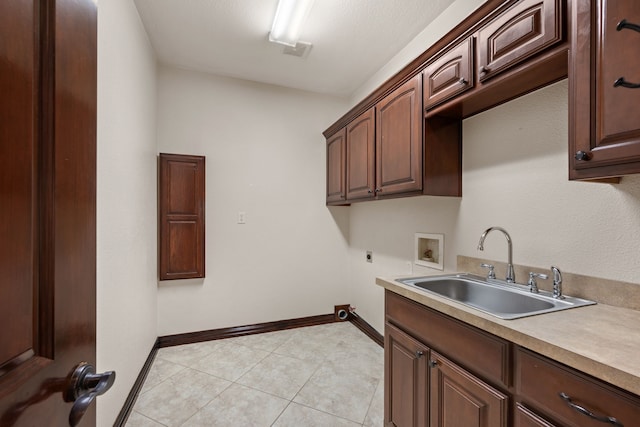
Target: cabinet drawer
526	418
450	74
526	28
459	341
540	382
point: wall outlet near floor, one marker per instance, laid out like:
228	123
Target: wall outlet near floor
242	217
369	256
342	312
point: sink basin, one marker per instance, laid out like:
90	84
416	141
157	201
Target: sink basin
506	301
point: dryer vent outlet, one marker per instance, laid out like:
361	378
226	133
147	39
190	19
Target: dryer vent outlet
341	312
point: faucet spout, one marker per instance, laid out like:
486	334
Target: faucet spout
511	276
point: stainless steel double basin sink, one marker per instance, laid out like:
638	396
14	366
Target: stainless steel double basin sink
500	299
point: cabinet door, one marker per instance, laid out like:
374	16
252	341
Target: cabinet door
460	399
399	140
526	418
406	380
336	168
181	199
361	157
606	124
526	28
450	74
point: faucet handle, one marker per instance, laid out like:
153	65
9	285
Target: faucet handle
533	285
557	282
492	273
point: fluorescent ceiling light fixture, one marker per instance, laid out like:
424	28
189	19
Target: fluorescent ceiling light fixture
288	21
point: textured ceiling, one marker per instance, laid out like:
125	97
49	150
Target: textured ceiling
351	39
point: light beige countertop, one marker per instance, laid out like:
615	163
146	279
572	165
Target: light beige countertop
600	340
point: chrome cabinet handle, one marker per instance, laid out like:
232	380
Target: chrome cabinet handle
433	363
588	413
463	81
483	70
419	354
85	385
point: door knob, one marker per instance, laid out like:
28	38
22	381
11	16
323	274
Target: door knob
85	385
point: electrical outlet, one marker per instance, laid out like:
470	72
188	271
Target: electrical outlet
242	217
369	256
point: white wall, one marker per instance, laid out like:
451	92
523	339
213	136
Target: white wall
515	174
515	168
265	155
126	211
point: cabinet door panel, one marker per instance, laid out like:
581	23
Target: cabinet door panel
460	399
523	30
181	216
399	140
605	132
336	167
361	157
618	56
406	392
450	74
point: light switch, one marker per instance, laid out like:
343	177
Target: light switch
242	217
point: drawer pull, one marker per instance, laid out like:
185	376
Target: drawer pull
628	25
622	82
588	413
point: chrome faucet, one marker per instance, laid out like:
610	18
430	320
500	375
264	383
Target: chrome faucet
511	276
557	282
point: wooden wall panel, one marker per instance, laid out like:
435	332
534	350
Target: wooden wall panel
181	199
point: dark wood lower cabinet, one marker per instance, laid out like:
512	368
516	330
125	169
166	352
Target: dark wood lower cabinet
424	388
431	379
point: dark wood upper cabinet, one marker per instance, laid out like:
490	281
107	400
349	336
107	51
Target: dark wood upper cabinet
361	159
450	74
524	29
604	125
399	140
181	199
336	164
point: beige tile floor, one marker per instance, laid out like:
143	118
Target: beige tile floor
324	376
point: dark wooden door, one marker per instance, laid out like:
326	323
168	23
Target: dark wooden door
361	159
47	206
399	140
181	216
450	74
458	399
406	380
605	90
336	164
